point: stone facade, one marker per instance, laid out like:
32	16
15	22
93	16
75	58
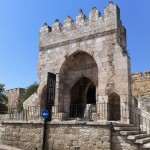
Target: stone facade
141	89
141	85
91	51
61	136
14	96
31	101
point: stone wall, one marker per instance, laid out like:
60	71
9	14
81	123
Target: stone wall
141	89
60	136
14	96
31	101
141	85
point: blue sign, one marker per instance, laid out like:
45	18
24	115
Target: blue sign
45	113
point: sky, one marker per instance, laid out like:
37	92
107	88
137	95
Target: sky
21	20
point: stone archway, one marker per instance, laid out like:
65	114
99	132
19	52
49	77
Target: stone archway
76	66
79	68
114	107
83	92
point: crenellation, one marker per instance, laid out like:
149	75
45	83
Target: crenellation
57	27
45	28
110	10
44	33
97	25
69	24
81	19
94	14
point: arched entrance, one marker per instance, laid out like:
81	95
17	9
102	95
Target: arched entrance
77	66
114	107
83	92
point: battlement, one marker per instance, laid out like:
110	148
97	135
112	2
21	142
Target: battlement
140	74
15	90
70	31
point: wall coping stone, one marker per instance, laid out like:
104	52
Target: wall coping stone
58	123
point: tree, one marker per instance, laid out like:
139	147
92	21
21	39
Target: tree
3	99
30	90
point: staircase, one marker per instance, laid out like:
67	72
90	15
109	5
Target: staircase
128	136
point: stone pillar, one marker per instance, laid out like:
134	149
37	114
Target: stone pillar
102	108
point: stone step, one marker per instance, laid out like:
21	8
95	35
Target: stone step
5	147
125	128
139	136
126	133
145	146
142	141
122	125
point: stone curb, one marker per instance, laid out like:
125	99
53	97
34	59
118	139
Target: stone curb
4	147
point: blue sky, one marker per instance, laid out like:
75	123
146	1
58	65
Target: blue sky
21	21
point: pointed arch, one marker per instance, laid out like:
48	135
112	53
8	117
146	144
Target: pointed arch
82	93
76	66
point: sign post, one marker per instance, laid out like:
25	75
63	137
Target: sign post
47	114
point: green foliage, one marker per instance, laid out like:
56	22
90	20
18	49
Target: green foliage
20	105
3	108
3	97
30	90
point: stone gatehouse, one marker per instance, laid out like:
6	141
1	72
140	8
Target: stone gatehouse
89	59
93	107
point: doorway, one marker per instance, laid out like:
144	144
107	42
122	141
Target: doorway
83	92
114	107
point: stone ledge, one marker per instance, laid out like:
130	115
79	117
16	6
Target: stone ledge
5	147
22	122
79	39
59	123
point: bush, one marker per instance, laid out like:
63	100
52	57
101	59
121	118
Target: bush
3	108
30	90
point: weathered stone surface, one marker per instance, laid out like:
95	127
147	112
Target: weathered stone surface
141	89
14	96
29	136
31	101
95	49
141	85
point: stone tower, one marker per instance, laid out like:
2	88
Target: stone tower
14	96
91	64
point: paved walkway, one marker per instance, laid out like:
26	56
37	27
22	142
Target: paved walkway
4	147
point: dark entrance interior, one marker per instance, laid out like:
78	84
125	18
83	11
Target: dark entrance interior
91	94
83	92
114	107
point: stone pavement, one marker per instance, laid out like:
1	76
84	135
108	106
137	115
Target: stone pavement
4	147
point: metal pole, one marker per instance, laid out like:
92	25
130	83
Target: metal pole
44	135
45	128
